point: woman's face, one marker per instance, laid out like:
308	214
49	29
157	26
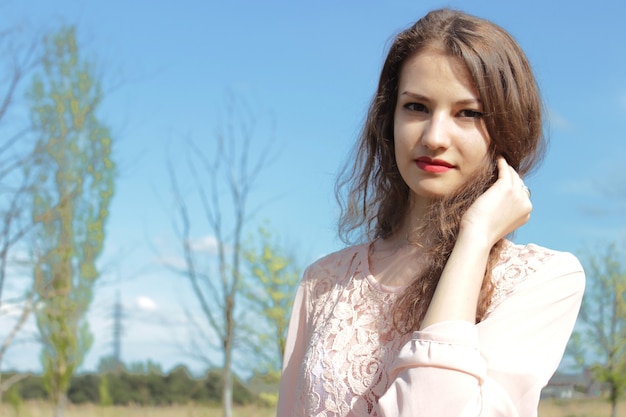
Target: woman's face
439	135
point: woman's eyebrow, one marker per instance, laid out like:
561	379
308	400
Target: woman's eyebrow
464	101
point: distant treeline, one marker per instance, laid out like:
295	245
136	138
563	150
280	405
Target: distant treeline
124	388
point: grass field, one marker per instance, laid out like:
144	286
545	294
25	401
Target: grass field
579	408
548	408
45	410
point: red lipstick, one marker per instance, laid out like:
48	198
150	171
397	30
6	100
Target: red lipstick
433	165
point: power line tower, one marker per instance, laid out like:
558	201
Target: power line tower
118	314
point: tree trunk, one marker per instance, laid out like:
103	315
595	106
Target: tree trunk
59	409
227	391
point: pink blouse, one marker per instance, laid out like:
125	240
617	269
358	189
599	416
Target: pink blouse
344	358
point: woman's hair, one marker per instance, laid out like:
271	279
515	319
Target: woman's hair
373	196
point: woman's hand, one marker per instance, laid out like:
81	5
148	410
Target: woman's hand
503	208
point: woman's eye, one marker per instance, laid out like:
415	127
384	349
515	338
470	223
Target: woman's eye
415	107
471	113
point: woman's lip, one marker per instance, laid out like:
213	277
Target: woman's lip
433	165
430	161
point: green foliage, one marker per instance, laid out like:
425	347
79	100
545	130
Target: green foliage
270	399
146	389
266	386
270	289
14	399
241	394
145	368
104	392
109	364
31	388
84	388
180	386
75	171
599	343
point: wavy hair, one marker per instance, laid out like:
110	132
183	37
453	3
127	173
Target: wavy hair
373	197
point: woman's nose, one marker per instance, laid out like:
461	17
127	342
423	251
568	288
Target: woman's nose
436	132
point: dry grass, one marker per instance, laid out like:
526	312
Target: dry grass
547	408
579	408
39	409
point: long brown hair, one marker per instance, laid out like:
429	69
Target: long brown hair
373	197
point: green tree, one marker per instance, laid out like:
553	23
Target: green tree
74	167
148	367
599	342
14	399
274	276
110	365
104	392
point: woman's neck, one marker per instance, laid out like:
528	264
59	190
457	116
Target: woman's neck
395	262
416	227
398	259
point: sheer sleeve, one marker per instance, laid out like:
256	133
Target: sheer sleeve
295	346
497	367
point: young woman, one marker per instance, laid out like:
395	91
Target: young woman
435	313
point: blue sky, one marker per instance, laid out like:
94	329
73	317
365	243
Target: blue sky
308	71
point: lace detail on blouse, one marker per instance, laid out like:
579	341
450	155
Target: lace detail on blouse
516	264
344	370
353	340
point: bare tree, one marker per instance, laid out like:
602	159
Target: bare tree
223	176
20	58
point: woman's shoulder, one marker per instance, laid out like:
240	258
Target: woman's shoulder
526	259
534	264
338	262
322	277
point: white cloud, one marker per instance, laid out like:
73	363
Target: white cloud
206	244
11	309
146	303
174	262
558	121
579	187
201	246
